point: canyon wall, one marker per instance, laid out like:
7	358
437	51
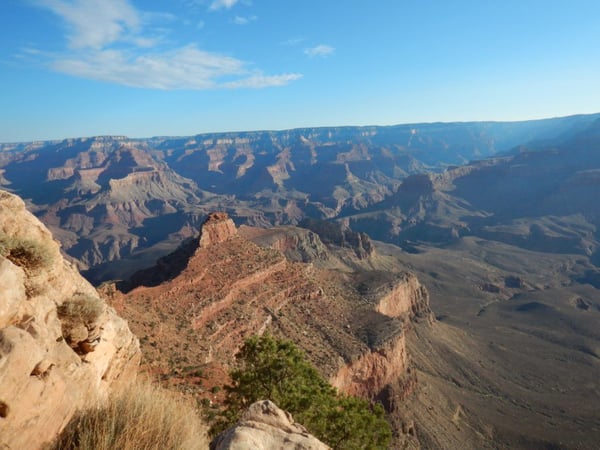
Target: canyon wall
398	296
405	298
370	373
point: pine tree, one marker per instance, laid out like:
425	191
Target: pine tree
277	370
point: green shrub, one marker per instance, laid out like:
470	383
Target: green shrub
278	371
25	253
139	417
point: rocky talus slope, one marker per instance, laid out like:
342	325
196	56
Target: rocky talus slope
61	347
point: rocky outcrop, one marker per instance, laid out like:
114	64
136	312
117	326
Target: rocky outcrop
297	244
61	347
369	374
398	295
407	298
401	297
218	227
266	427
334	233
349	319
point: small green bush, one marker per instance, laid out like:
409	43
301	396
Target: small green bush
25	253
277	370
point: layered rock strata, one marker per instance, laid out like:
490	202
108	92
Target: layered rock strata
231	289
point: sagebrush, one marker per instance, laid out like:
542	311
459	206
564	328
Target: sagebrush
139	417
81	308
26	253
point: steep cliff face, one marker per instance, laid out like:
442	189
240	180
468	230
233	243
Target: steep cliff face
397	295
369	374
218	227
61	347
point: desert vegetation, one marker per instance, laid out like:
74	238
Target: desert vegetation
81	308
136	417
273	369
26	253
79	318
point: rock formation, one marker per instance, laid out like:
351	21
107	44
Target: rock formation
266	427
334	233
371	372
297	244
218	227
396	295
61	347
230	289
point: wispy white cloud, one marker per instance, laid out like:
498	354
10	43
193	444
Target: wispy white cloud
184	68
240	20
261	81
219	4
320	50
108	42
95	23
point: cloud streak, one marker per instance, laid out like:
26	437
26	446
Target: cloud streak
240	20
107	42
220	4
183	68
320	50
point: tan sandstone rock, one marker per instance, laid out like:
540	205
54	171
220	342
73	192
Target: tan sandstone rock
266	427
43	380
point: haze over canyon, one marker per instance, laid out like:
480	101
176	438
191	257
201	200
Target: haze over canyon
448	271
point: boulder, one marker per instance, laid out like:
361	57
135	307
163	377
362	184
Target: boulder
266	427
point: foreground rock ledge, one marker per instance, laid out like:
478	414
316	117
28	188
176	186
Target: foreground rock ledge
266	427
46	373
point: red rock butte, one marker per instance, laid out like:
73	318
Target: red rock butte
217	228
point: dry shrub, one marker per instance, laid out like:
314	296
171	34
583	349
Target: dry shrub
25	253
82	308
139	417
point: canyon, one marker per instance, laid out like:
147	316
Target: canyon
345	240
117	204
193	322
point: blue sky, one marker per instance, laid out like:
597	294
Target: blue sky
142	68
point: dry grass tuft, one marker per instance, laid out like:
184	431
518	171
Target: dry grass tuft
139	417
82	308
25	253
